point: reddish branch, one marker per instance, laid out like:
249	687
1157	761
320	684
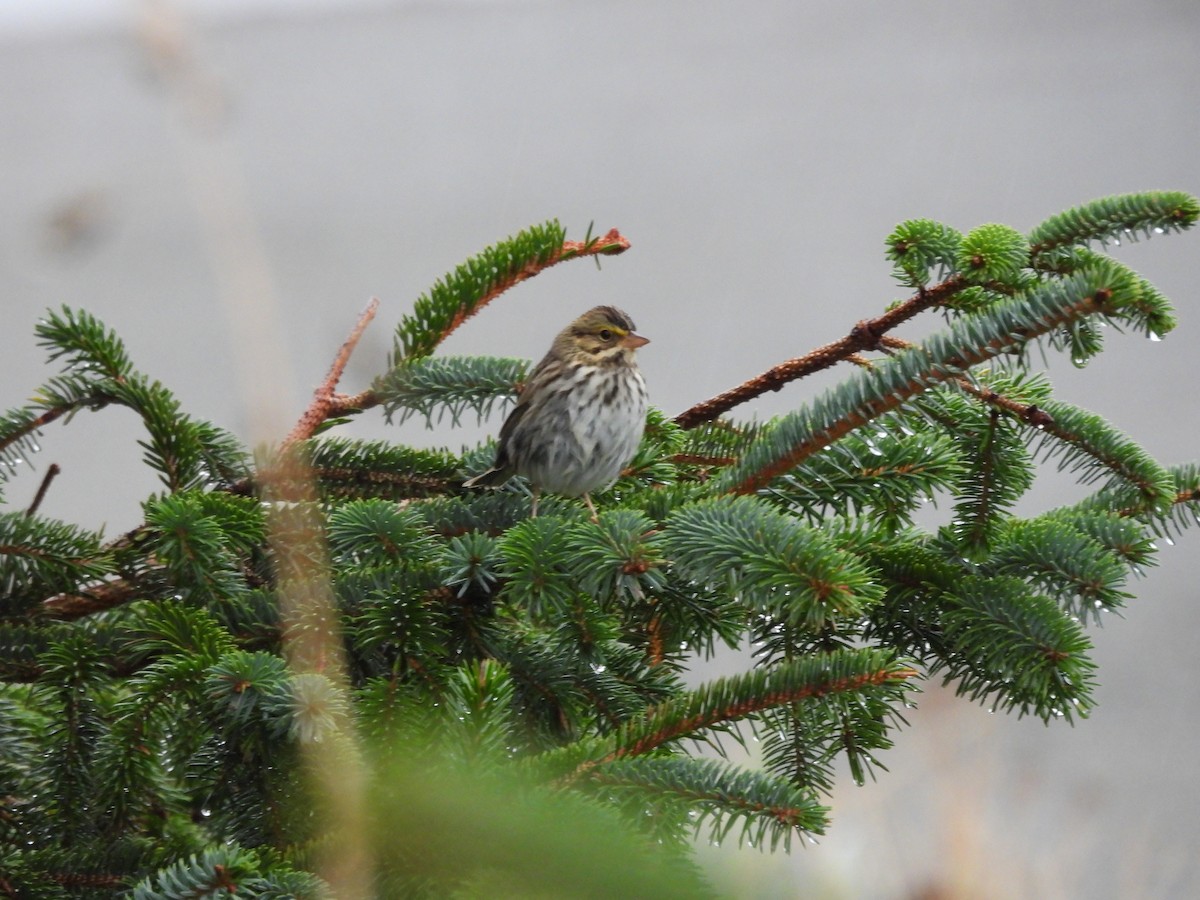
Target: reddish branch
866	335
326	402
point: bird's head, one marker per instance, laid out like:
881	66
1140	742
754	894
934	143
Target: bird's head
601	336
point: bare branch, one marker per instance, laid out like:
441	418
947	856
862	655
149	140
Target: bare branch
866	335
326	402
51	474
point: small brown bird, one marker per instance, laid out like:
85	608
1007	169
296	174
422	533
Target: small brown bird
579	418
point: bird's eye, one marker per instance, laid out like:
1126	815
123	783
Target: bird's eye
605	334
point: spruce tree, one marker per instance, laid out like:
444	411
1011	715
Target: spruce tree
326	669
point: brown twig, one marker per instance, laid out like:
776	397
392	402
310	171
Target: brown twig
90	600
326	402
51	474
866	335
89	880
1030	413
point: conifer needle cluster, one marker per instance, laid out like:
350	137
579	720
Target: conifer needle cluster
329	670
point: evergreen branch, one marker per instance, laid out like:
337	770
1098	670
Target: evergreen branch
802	742
448	384
42	556
483	278
1154	210
918	573
89	346
346	468
73	670
1183	511
1029	413
863	336
492	512
1151	312
1124	538
247	691
544	671
768	560
993	255
183	450
141	719
1085	441
1080	573
166	629
983	489
98	373
869	394
1156	316
999	471
616	689
84	880
173	448
150	744
534	559
214	872
402	614
726	700
194	539
17	427
1187	480
718	792
919	246
714	445
885	477
1117	218
617	558
1017	646
326	403
378	533
22	646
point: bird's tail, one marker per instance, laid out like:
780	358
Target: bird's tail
491	478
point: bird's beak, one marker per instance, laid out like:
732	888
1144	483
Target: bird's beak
633	340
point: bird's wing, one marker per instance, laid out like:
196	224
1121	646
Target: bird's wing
514	418
506	430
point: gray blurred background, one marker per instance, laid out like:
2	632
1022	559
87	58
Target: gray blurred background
227	183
